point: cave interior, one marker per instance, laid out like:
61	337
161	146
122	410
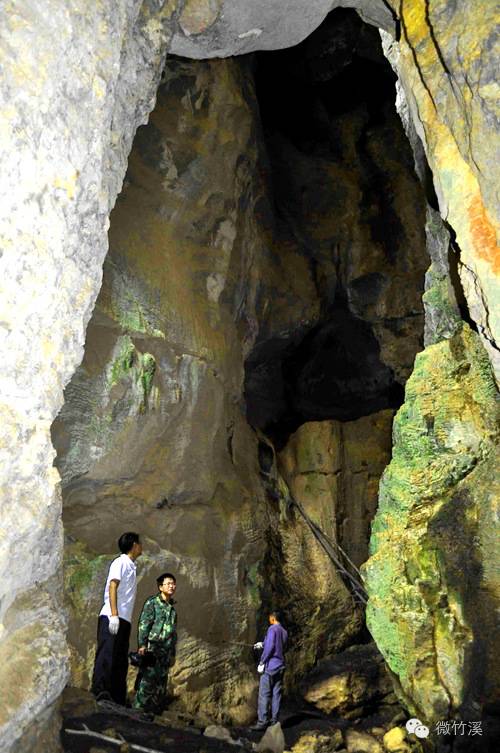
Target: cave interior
338	215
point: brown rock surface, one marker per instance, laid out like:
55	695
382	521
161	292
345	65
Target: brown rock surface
314	742
332	469
362	742
151	437
350	683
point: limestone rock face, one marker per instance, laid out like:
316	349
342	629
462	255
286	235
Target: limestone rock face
332	469
75	84
448	75
152	437
430	576
218	28
442	313
447	72
349	206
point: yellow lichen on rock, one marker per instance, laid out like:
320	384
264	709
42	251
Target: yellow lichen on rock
444	63
394	740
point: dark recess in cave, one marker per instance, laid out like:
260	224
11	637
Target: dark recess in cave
333	369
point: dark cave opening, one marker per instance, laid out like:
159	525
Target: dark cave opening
327	111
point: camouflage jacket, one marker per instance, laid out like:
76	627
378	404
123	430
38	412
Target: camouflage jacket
157	624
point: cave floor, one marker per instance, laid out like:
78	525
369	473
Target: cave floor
174	733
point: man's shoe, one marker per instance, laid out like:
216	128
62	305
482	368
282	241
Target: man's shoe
259	726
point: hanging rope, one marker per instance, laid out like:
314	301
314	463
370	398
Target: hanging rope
343	564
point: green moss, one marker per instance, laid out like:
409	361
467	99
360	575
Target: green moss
446	429
146	375
123	361
254	584
438	296
128	301
83	573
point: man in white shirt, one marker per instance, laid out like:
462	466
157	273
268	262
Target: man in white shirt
109	680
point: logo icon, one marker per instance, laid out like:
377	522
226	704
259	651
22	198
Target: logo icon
415	727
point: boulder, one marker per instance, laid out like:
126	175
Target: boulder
347	683
273	740
395	740
219	733
318	742
431	577
361	742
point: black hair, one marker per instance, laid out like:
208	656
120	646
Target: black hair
127	541
276	613
161	578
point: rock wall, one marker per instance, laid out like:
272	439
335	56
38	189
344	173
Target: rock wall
202	269
431	574
436	498
332	470
67	122
75	85
152	436
442	55
447	72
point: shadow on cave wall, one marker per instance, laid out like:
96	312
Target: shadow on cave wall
332	137
457	534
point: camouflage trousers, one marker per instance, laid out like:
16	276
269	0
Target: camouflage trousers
151	684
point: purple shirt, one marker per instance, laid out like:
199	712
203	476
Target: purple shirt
274	646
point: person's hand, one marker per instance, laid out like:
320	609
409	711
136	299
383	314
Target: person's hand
141	650
259	644
114	624
261	668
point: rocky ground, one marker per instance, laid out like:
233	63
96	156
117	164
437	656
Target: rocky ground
302	730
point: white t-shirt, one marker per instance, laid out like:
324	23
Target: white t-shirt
124	570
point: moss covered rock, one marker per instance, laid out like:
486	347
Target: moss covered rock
431	574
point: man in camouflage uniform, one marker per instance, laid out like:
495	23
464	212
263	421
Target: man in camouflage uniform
156	635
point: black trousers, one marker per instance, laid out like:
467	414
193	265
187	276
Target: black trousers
111	660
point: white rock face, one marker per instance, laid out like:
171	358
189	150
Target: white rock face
76	82
219	28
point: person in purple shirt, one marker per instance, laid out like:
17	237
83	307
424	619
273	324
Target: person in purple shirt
271	668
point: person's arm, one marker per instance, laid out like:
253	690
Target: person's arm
171	629
145	624
173	645
268	649
115	574
113	597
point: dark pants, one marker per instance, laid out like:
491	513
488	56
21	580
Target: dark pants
111	661
151	683
270	695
